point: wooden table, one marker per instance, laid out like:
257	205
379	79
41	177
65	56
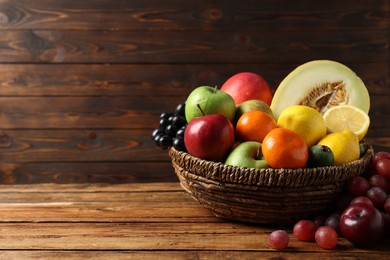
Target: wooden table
142	221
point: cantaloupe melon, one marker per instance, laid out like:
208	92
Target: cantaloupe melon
321	84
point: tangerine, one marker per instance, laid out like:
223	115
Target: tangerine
254	126
283	148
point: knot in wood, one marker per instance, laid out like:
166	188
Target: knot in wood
4	19
92	135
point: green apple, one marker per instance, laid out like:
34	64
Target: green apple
206	100
250	105
247	154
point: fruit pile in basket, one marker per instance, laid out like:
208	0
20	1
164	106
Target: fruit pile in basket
317	117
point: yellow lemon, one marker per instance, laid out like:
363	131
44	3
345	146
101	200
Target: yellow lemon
307	122
344	145
346	117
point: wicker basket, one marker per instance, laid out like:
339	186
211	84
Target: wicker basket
265	196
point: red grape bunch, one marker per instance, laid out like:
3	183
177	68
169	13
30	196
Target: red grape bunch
362	213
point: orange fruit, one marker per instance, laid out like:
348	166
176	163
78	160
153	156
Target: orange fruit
254	126
283	148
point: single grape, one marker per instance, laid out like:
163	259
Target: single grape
333	221
279	239
379	181
155	132
171	130
377	196
181	131
379	156
383	168
156	139
362	199
387	205
178	121
165	141
319	220
178	143
326	237
304	230
370	171
166	114
358	185
180	109
164	122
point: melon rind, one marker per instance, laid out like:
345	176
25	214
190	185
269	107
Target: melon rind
304	78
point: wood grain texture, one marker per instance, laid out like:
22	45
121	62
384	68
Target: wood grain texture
185	254
87	172
284	46
73	145
101	220
194	15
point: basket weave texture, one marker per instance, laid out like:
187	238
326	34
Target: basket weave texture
264	196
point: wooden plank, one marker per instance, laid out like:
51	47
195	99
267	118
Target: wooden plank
154	236
165	198
189	254
279	46
195	15
132	236
91	187
182	208
154	202
83	112
76	145
87	172
68	212
378	138
150	79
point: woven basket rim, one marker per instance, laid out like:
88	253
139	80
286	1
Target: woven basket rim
219	172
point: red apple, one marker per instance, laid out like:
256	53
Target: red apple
209	137
246	86
362	224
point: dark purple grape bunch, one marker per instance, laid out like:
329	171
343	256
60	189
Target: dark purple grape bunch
170	131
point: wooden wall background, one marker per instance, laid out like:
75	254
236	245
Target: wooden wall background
82	83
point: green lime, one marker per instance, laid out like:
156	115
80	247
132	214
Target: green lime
320	156
363	149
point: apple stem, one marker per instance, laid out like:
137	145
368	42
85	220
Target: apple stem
215	89
201	110
258	153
